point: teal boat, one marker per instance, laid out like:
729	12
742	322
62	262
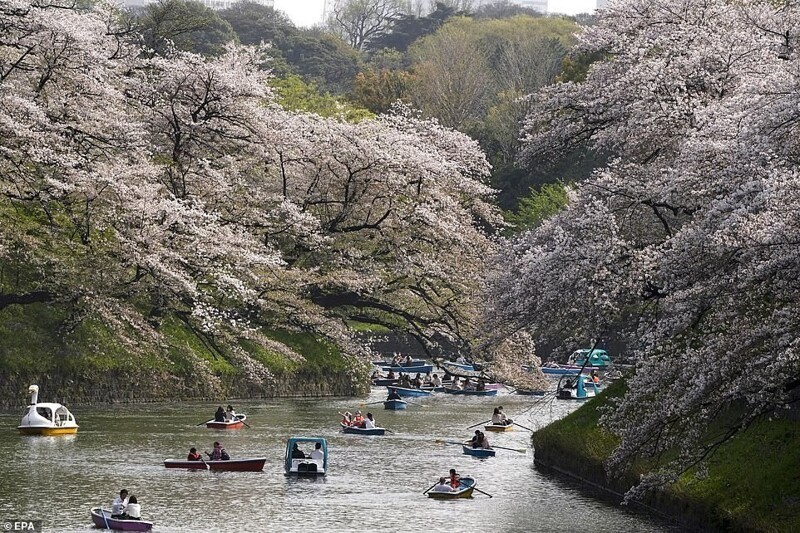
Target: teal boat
598	358
310	465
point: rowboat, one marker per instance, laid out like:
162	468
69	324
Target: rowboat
307	466
384	381
526	392
432	389
477	452
405	392
498	427
238	423
464	490
352	430
395	405
48	419
455	369
253	464
413	362
416	369
472	392
102	519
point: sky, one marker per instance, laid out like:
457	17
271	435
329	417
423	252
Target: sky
309	12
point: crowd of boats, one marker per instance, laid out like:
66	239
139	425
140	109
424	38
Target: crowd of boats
579	379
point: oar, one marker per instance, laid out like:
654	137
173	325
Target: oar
200	424
242	421
523	427
479	423
208	467
512	449
429	488
105	519
370	403
388	431
440	441
482	492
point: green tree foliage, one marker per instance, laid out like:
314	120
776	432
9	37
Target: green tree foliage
255	23
538	206
377	90
407	28
322	59
296	95
187	25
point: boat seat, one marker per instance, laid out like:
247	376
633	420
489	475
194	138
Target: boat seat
307	465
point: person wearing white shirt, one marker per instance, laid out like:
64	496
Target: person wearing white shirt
369	422
134	510
317	453
442	486
120	502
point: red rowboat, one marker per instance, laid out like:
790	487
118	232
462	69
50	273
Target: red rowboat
231	424
253	464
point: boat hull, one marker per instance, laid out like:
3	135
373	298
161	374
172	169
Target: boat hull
255	464
463	491
499	427
102	519
350	430
394	405
492	392
477	452
419	369
530	392
384	382
233	424
410	393
47	431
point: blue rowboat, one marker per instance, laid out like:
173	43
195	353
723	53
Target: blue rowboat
416	369
350	430
432	389
472	392
414	362
408	393
394	405
477	452
384	381
464	490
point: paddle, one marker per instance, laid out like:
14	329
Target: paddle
200	424
370	403
512	449
479	424
429	488
238	417
482	492
105	519
523	427
440	441
208	467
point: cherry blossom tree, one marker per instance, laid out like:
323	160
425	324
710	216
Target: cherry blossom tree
688	237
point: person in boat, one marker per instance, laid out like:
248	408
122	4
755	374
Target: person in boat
133	511
219	453
595	376
193	455
442	486
476	440
455	479
347	418
409	360
393	395
467	384
405	381
219	416
427	381
375	374
417	382
358	419
391	374
119	505
436	381
317	452
460	360
369	422
297	453
230	414
397	359
483	441
500	417
481	386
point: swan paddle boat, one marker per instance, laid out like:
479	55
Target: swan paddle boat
102	519
236	423
253	464
46	419
576	388
477	452
306	466
353	430
465	488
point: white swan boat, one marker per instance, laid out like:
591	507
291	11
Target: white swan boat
46	418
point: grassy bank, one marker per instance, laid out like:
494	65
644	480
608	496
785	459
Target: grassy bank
752	481
42	344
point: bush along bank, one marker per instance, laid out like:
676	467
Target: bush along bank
752	482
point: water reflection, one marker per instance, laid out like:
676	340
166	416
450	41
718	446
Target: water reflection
374	483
